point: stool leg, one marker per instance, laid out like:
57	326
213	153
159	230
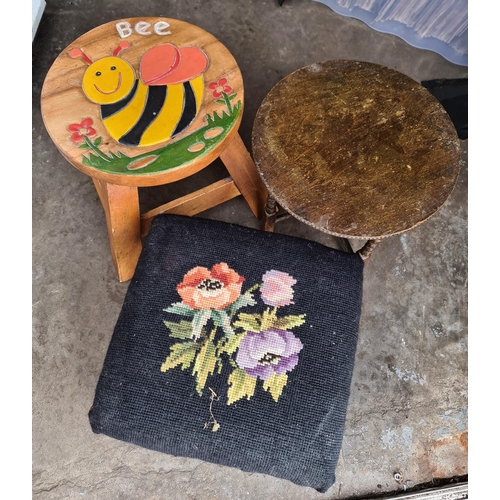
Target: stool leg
345	245
244	173
121	206
366	252
270	212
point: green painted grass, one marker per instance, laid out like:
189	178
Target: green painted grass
167	157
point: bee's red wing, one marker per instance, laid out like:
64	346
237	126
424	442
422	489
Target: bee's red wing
166	64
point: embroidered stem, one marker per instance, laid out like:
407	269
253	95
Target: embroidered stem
252	288
233	363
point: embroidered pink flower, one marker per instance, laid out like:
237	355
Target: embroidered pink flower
277	288
218	87
269	352
79	130
210	289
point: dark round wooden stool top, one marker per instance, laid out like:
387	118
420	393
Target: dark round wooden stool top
355	149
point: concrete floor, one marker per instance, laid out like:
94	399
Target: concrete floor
408	407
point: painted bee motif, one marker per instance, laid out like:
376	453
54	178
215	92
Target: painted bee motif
153	108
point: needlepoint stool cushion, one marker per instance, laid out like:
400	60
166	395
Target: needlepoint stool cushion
234	346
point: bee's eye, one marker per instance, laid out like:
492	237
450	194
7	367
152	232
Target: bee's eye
98	73
113	68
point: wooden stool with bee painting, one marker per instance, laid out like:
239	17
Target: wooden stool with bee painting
143	102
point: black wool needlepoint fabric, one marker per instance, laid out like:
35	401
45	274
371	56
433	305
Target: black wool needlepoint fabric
234	346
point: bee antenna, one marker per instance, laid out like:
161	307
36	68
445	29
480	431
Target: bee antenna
74	53
123	45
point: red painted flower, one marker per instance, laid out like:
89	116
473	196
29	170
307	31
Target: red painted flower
218	87
78	130
210	289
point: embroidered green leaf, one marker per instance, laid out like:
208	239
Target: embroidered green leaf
268	319
274	384
230	345
289	322
249	322
182	354
222	319
240	385
204	365
182	330
243	300
181	309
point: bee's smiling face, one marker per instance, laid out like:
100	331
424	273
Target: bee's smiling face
108	80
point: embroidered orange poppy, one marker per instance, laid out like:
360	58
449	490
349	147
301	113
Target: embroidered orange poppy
210	289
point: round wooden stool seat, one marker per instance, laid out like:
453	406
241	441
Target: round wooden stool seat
355	149
144	102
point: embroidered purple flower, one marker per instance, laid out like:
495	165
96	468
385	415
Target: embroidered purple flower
277	288
269	352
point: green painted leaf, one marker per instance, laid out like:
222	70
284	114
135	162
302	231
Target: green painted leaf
241	385
181	309
83	146
98	141
204	365
289	322
182	354
220	101
249	322
182	330
275	384
232	96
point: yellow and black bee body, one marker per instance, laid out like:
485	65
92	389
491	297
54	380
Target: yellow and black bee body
150	108
153	108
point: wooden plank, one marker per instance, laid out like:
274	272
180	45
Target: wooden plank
193	203
121	207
